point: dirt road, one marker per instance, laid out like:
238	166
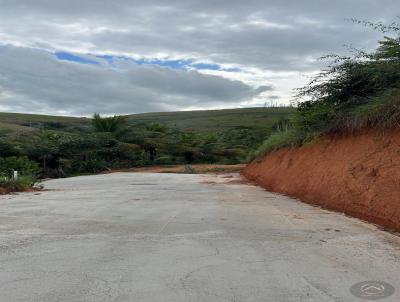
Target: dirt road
175	237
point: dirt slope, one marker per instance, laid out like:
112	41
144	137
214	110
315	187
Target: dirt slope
355	174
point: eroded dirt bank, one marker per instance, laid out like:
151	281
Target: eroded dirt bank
355	174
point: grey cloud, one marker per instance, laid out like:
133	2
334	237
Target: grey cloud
36	81
265	35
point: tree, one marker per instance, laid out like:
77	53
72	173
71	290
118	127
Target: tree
107	124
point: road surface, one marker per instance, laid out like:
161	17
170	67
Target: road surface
173	237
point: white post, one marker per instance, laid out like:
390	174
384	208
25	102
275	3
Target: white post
15	174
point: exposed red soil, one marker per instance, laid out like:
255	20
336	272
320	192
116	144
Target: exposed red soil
355	174
4	191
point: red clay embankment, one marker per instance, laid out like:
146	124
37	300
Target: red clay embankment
355	174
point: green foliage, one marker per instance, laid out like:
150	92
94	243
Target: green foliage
381	112
212	121
27	171
63	146
354	92
23	165
350	84
15	185
107	124
7	149
278	140
61	154
315	117
156	127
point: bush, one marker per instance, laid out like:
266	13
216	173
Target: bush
382	112
362	91
349	92
278	140
315	117
23	165
14	185
107	124
27	171
8	149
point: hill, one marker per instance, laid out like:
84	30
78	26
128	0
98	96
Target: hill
211	120
21	122
198	121
63	146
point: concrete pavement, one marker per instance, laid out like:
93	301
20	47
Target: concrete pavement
175	237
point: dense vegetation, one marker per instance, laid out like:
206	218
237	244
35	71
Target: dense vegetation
355	92
65	146
27	172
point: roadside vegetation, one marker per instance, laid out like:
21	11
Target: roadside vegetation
356	92
27	174
50	147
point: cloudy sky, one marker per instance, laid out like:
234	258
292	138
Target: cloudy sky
127	56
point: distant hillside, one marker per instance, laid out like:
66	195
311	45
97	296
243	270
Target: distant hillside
64	146
20	122
211	120
199	121
21	118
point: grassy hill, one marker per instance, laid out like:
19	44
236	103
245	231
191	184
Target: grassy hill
20	118
63	146
198	121
211	120
20	122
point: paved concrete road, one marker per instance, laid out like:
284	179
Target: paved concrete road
172	237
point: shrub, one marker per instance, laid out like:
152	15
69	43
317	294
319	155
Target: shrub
361	91
23	165
107	124
13	185
315	117
278	140
156	127
382	112
350	89
27	173
8	149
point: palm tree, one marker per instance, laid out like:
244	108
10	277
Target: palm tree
107	124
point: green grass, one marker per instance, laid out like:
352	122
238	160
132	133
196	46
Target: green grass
212	120
278	140
15	185
14	127
26	123
22	118
382	112
206	121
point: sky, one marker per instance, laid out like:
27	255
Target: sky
127	56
